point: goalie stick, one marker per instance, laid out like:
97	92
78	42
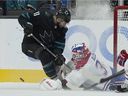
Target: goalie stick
121	72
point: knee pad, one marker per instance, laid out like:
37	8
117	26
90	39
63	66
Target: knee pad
45	57
32	50
27	52
38	52
50	69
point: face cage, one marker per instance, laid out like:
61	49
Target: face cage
78	56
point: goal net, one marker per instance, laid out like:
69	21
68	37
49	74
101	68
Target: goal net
120	31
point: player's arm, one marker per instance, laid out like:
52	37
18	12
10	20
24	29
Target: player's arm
60	41
59	44
25	21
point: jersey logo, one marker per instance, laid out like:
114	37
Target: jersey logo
47	37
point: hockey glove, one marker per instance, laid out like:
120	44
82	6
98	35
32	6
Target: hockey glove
121	89
28	28
60	60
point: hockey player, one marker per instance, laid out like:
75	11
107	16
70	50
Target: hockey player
88	70
50	29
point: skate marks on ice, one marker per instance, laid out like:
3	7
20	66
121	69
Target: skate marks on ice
38	92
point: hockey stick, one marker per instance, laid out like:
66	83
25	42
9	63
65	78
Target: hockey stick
31	35
107	78
59	73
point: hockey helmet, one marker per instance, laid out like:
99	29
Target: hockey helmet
65	14
80	55
79	51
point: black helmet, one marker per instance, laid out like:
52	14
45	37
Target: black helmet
65	14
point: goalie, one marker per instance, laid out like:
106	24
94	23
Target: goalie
84	70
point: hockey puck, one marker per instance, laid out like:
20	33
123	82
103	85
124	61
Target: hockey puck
22	79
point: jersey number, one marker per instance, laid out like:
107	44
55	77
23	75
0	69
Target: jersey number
37	13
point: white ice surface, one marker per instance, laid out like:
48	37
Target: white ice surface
33	89
38	92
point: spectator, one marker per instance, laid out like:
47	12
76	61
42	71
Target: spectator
47	4
19	4
3	7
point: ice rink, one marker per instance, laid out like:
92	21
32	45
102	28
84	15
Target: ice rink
37	92
33	89
104	12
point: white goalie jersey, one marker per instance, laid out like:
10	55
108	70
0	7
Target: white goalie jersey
86	68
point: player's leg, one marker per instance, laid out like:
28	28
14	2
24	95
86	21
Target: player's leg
36	51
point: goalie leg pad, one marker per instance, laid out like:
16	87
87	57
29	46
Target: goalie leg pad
75	79
49	84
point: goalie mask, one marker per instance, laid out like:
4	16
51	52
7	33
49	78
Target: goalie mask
80	55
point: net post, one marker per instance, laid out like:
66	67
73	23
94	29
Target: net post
115	35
